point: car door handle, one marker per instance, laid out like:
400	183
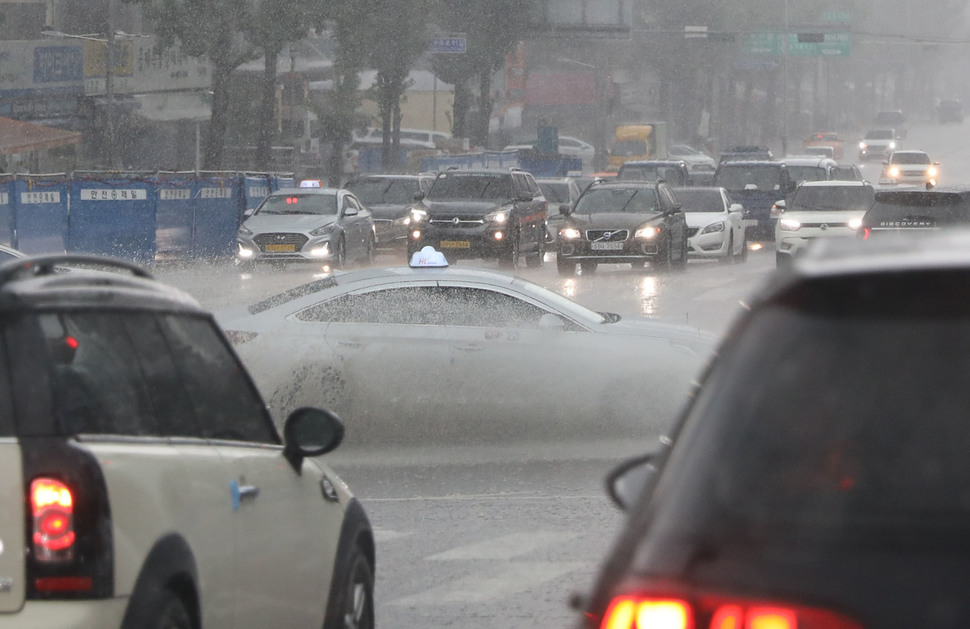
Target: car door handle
470	347
240	492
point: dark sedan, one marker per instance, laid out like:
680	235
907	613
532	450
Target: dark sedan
389	197
623	222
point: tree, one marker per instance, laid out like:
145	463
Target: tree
212	29
274	24
402	27
491	28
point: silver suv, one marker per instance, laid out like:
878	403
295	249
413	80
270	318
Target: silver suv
144	482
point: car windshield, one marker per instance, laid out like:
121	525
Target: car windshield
299	203
737	177
700	200
926	209
881	134
379	191
555	192
807	173
471	186
651	172
825	198
910	158
615	200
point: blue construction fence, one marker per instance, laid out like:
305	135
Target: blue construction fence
143	217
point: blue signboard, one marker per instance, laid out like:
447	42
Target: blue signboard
57	64
455	44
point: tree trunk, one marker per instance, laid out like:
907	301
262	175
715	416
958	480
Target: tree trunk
267	106
396	136
460	110
218	123
484	108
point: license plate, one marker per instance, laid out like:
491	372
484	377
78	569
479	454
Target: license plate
277	248
750	222
606	246
455	244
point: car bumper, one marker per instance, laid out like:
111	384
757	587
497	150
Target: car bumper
711	245
630	250
477	242
67	614
294	248
785	243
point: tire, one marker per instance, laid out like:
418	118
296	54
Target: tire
681	263
743	256
169	612
729	258
510	260
352	603
368	259
588	267
340	254
566	268
782	260
536	261
664	260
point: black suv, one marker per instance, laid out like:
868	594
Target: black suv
819	476
910	211
481	214
757	185
389	198
144	480
622	221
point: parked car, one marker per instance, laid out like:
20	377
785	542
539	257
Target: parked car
914	210
715	224
631	222
817	476
488	214
399	352
321	225
143	474
912	167
820	209
389	199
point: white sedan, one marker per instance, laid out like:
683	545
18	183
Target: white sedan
464	354
715	226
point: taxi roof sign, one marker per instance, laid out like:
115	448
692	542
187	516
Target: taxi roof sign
428	258
310	183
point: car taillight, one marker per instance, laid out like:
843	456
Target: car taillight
865	233
646	612
52	508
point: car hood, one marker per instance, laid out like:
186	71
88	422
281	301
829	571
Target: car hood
259	223
701	219
695	340
462	206
613	220
389	210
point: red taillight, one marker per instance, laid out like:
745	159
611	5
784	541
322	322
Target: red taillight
865	233
644	612
52	507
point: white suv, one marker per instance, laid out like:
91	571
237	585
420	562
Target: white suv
144	483
819	209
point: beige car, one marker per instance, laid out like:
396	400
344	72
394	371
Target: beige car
144	482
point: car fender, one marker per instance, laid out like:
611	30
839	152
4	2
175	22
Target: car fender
169	564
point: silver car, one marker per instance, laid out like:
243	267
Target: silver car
327	225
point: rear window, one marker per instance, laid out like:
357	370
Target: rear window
822	447
915	209
700	200
810	198
807	173
910	158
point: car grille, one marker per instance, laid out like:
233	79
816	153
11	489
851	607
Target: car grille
692	231
297	240
383	225
608	235
457	221
827	225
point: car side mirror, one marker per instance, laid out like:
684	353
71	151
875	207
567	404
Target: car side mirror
550	321
627	481
736	207
249	212
350	211
564	209
310	432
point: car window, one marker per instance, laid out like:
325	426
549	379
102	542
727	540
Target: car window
450	186
700	200
384	191
428	305
809	198
606	200
555	192
226	403
916	209
910	158
749	177
807	173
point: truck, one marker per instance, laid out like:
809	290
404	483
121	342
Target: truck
638	142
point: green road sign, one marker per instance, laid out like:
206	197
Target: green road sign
833	45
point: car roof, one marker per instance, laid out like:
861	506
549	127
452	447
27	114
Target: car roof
319	191
740	163
909	152
809	160
655	162
834	183
624	183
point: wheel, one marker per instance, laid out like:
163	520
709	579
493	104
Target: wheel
782	260
369	249
352	598
681	263
566	268
168	611
743	256
340	254
588	266
536	261
510	259
729	258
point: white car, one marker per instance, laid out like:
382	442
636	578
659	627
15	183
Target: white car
701	165
878	143
144	481
715	226
568	145
819	209
398	353
909	167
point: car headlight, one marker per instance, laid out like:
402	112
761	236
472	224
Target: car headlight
245	231
323	231
417	215
892	145
647	231
855	223
894	171
931	171
713	228
789	224
569	233
498	216
863	146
